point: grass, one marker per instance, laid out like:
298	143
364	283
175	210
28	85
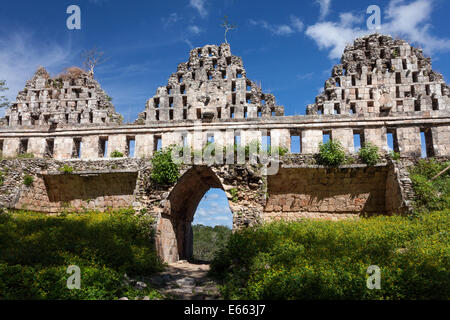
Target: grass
36	250
329	260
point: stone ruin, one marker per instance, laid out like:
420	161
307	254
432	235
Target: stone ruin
70	99
383	89
213	85
382	76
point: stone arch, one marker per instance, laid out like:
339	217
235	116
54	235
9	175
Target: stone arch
174	239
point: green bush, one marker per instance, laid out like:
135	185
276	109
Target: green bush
329	260
28	180
209	240
66	169
36	250
116	154
394	155
2	178
331	154
430	195
164	170
369	155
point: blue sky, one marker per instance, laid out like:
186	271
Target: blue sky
289	46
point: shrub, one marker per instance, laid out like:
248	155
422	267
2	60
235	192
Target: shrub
164	170
2	178
28	180
331	154
369	154
430	195
66	169
328	260
116	154
394	155
281	151
234	195
36	249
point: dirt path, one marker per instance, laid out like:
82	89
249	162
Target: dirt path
186	281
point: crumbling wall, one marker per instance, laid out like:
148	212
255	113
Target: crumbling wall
380	75
212	85
70	99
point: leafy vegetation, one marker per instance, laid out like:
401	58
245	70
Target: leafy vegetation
329	260
209	240
234	194
2	178
394	155
28	180
430	195
164	170
36	250
331	154
116	154
369	155
66	169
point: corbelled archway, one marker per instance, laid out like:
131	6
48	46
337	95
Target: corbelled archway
174	231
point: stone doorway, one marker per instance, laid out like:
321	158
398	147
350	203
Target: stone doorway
174	238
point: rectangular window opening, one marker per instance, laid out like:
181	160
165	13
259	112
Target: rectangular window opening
435	104
326	136
157	143
337	108
131	147
23	148
398	78
296	144
392	140
358	140
219	113
49	147
352	108
415	76
103	147
76	152
426	138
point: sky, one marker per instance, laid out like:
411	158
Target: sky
288	46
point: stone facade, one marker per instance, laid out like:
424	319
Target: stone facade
383	89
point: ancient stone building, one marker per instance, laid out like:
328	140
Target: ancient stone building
213	84
383	90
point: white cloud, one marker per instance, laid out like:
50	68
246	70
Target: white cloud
20	57
171	19
194	29
405	20
199	5
324	8
295	25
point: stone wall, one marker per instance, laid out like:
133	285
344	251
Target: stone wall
93	185
315	192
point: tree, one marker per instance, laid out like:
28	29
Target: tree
3	100
92	58
228	27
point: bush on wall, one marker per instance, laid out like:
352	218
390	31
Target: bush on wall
369	155
331	154
165	171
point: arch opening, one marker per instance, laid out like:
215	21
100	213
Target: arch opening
174	240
